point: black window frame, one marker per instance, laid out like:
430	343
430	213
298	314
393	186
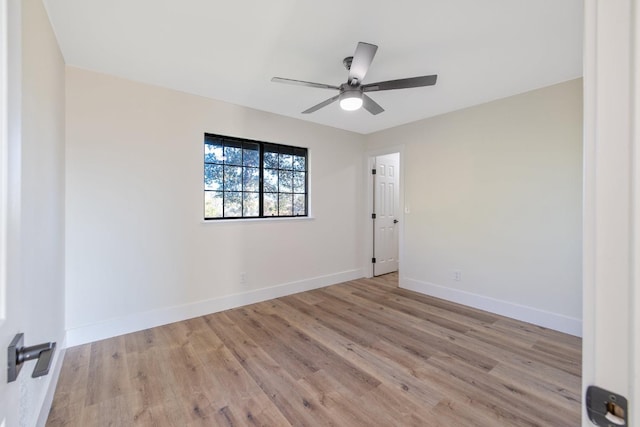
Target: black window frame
263	147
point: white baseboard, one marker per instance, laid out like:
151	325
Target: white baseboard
547	319
45	407
140	321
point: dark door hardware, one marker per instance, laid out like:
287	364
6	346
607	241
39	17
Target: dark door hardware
18	354
606	409
395	221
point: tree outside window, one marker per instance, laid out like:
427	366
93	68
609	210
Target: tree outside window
253	179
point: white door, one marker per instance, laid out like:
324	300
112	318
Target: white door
611	239
11	409
386	205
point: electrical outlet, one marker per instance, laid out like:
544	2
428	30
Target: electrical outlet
243	278
457	275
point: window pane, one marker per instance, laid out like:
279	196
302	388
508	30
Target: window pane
286	204
250	207
232	155
241	176
299	182
251	156
286	181
270	201
251	179
270	180
233	178
286	161
299	205
212	177
232	204
299	163
212	153
213	204
270	160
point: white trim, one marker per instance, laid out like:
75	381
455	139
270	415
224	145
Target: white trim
370	155
588	199
634	300
368	225
4	151
546	319
47	400
139	321
610	234
263	219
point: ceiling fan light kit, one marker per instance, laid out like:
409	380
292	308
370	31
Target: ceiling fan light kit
351	100
351	96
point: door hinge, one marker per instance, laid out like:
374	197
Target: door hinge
373	171
373	216
373	260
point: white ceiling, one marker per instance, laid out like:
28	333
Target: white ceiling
228	50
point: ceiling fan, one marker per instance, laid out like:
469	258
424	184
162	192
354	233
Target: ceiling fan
352	93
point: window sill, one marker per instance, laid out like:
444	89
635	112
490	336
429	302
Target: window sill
266	219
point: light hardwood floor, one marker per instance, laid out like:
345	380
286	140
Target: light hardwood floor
361	353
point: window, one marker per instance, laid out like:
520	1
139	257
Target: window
253	179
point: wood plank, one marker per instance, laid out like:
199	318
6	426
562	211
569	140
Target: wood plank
543	390
310	298
360	353
298	406
517	401
572	367
107	373
387	371
359	300
392	328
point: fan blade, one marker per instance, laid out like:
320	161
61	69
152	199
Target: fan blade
370	105
321	105
303	83
401	83
361	61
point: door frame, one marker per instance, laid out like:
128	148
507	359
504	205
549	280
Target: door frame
611	209
10	394
4	152
368	203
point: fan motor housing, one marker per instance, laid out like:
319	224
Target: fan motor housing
346	87
347	62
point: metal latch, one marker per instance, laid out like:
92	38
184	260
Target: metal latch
18	354
606	409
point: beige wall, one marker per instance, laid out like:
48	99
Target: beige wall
138	252
495	192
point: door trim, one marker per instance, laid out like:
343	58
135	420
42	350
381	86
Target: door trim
611	233
4	152
370	155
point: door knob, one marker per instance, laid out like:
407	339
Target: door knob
18	354
395	221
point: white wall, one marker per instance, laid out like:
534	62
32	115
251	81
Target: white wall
42	199
495	192
137	251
